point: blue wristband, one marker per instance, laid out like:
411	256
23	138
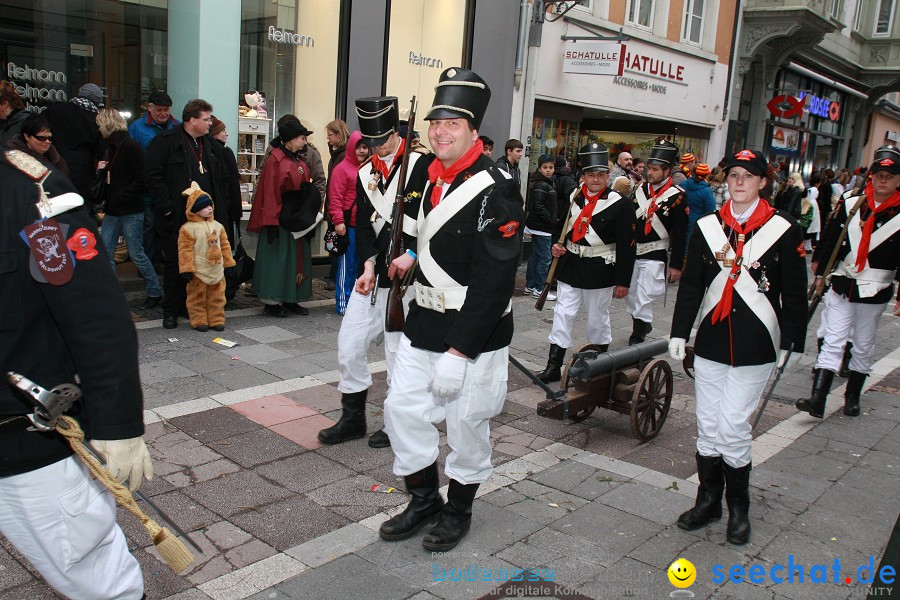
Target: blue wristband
413	254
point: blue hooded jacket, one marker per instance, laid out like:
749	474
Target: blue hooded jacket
700	201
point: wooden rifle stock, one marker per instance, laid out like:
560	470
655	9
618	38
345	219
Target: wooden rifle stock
393	317
818	286
551	272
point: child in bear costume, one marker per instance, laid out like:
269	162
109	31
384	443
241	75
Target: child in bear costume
203	254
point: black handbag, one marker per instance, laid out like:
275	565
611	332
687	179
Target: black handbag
100	188
241	272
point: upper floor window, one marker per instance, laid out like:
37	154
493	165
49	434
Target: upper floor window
835	7
884	17
640	12
857	15
693	21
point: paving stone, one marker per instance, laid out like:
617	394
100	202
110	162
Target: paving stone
163	370
192	475
12	573
663	548
615	530
256	447
326	548
266	335
187	388
809	551
572	559
239	376
255	354
357	455
304	472
352	497
215	567
236	492
288	523
833	449
159	580
249	553
632	578
304	432
225	536
647	501
849	499
202	360
602	442
289	368
38	590
347	577
885	462
664	460
797	461
270	594
541	503
181	450
188	513
862	431
321	398
795	485
856	531
213	425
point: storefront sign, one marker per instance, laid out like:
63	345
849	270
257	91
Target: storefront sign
822	107
646	64
418	59
785	107
785	140
640	84
283	36
41	93
594	58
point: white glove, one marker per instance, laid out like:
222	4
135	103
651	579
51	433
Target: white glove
676	348
447	375
782	358
126	460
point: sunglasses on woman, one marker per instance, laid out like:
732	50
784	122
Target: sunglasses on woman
43	138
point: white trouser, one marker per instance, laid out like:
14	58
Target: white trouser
64	523
568	301
648	282
726	397
853	322
410	414
363	323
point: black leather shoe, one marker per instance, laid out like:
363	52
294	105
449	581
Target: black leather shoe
379	439
170	321
274	310
737	496
295	308
424	507
218	328
352	424
709	495
151	302
553	371
202	328
455	520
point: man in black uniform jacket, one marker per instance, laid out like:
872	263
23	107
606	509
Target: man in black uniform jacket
862	282
596	261
64	316
452	361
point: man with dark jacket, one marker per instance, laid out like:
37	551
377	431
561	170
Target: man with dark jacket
565	183
509	162
76	136
543	213
175	158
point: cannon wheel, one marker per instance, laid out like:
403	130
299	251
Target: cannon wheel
651	400
584	414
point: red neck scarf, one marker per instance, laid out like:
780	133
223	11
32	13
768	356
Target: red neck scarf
760	215
438	175
583	222
651	210
862	253
384	168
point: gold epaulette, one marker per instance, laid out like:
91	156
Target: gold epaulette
26	163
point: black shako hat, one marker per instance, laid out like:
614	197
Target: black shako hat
887	158
460	93
664	153
594	157
751	160
379	117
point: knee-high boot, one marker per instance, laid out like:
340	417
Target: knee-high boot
737	496
553	370
845	360
423	507
455	519
352	424
709	495
855	382
639	331
815	405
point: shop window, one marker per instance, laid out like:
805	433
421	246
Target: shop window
884	17
693	21
640	12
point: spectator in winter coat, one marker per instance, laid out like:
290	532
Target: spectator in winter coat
718	187
510	161
337	134
76	136
218	132
565	183
700	198
342	212
789	199
12	112
36	139
540	223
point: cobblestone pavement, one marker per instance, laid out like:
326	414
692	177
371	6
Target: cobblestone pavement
233	436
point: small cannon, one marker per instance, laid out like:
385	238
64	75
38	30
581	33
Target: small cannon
627	380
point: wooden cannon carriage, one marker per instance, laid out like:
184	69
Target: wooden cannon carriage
629	380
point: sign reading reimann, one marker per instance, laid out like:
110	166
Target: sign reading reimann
594	58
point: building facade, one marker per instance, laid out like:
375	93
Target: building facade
812	78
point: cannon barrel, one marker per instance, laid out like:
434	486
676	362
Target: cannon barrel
592	364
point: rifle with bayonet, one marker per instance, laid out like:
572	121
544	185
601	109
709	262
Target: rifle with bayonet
393	317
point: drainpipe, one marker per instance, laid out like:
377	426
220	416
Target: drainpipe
520	45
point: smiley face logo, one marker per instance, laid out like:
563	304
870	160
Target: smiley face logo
682	573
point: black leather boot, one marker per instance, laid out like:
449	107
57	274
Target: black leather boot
455	519
815	405
603	347
423	508
553	371
845	361
709	495
639	331
855	382
352	424
379	439
819	343
737	496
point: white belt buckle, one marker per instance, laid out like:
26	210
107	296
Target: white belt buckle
438	301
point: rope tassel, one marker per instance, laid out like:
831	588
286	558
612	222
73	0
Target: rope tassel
170	548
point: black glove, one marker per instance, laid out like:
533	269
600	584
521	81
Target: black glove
272	233
187	276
